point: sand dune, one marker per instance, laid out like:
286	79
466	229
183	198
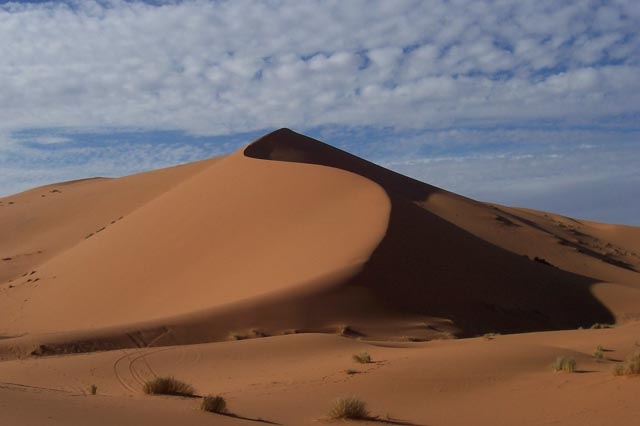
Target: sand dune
460	259
293	236
303	236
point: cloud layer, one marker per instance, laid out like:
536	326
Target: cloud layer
422	86
224	67
582	180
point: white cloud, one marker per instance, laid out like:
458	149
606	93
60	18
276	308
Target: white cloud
582	174
224	67
41	162
50	140
431	71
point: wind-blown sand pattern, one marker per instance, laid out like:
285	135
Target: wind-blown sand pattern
258	275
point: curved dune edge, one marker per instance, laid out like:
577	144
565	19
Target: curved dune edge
425	264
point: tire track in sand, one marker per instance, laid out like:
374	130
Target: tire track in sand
132	369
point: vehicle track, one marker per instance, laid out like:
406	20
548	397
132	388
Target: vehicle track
132	369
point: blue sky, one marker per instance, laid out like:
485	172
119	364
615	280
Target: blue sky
530	103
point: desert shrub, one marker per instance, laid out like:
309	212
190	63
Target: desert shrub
258	333
630	366
167	386
618	370
236	336
599	353
344	330
362	358
599	325
564	364
348	408
213	404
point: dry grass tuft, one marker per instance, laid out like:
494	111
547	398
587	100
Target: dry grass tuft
564	364
214	404
168	386
598	326
630	366
348	408
599	353
236	336
345	330
258	333
362	358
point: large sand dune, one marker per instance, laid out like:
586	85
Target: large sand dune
293	236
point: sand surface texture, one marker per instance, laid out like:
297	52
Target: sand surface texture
258	275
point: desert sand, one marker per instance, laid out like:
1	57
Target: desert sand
258	275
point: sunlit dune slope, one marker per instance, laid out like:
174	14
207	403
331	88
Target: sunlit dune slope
238	229
39	224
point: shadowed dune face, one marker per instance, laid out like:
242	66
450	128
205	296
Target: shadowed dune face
426	265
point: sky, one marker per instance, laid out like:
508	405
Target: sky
527	103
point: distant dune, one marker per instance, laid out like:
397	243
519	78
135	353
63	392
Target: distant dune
311	255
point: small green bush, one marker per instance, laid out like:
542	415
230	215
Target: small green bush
362	358
168	386
348	408
564	364
213	404
630	366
